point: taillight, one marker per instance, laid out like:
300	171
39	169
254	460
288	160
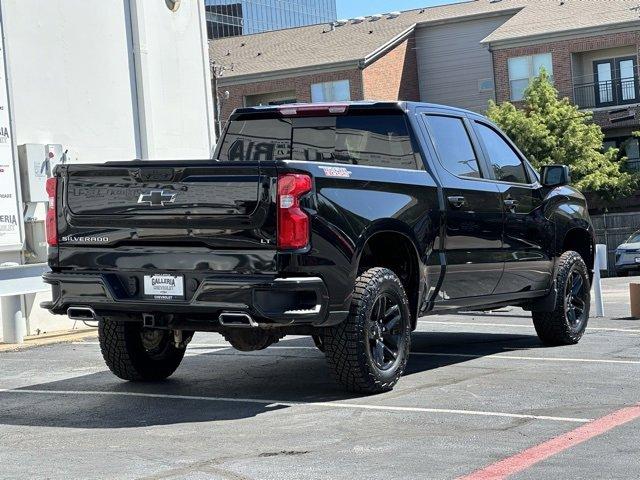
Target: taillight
51	222
293	222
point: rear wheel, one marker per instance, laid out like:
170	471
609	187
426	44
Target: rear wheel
368	352
566	324
133	352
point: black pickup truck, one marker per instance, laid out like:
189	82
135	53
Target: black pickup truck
344	222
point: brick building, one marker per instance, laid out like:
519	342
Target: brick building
592	52
266	69
461	54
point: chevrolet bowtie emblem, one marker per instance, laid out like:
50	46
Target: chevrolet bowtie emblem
157	198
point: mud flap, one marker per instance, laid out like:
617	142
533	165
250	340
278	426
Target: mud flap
544	304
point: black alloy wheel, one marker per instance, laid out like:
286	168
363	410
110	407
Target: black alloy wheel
575	299
385	329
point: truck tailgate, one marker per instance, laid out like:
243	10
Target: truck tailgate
200	209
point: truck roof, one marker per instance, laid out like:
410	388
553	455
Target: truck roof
294	109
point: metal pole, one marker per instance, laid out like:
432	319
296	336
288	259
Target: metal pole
218	111
141	72
217	71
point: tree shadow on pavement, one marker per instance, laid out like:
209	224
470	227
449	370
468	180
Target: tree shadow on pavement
289	375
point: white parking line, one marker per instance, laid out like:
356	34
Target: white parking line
499	356
202	351
223	346
276	403
495	356
513	325
204	348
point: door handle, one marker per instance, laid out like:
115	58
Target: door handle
511	204
457	201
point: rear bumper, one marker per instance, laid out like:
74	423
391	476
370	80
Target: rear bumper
270	300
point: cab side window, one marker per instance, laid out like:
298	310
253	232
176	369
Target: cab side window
506	164
453	145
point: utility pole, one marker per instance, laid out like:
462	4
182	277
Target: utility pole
217	71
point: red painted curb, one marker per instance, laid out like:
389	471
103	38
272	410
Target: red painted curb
529	457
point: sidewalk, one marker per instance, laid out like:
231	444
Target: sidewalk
49	338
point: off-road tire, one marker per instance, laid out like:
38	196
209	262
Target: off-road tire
318	341
554	328
125	355
347	344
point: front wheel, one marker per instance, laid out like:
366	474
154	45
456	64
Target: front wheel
566	324
368	352
133	352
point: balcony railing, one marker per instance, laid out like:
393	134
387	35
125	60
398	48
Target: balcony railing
632	165
611	93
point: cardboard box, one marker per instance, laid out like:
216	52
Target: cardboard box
634	299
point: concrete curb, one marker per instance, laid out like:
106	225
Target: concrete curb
50	338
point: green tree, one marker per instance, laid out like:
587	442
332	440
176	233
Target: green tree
551	130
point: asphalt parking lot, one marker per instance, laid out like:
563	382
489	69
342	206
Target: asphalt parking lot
479	389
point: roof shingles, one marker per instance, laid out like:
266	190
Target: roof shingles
319	45
547	17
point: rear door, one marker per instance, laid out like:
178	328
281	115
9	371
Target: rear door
472	242
528	233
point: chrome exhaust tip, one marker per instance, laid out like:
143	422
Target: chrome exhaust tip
81	313
237	320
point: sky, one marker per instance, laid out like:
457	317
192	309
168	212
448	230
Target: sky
358	8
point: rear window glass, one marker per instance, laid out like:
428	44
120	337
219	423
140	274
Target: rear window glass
372	140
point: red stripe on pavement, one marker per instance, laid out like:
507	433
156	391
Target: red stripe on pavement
529	457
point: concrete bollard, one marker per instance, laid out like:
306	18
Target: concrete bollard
14	326
600	263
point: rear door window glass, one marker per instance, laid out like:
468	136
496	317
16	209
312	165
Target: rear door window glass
453	145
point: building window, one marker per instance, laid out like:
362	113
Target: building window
272	98
227	18
486	85
338	91
616	82
629	149
523	69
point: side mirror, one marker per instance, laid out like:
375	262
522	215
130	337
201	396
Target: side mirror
555	175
